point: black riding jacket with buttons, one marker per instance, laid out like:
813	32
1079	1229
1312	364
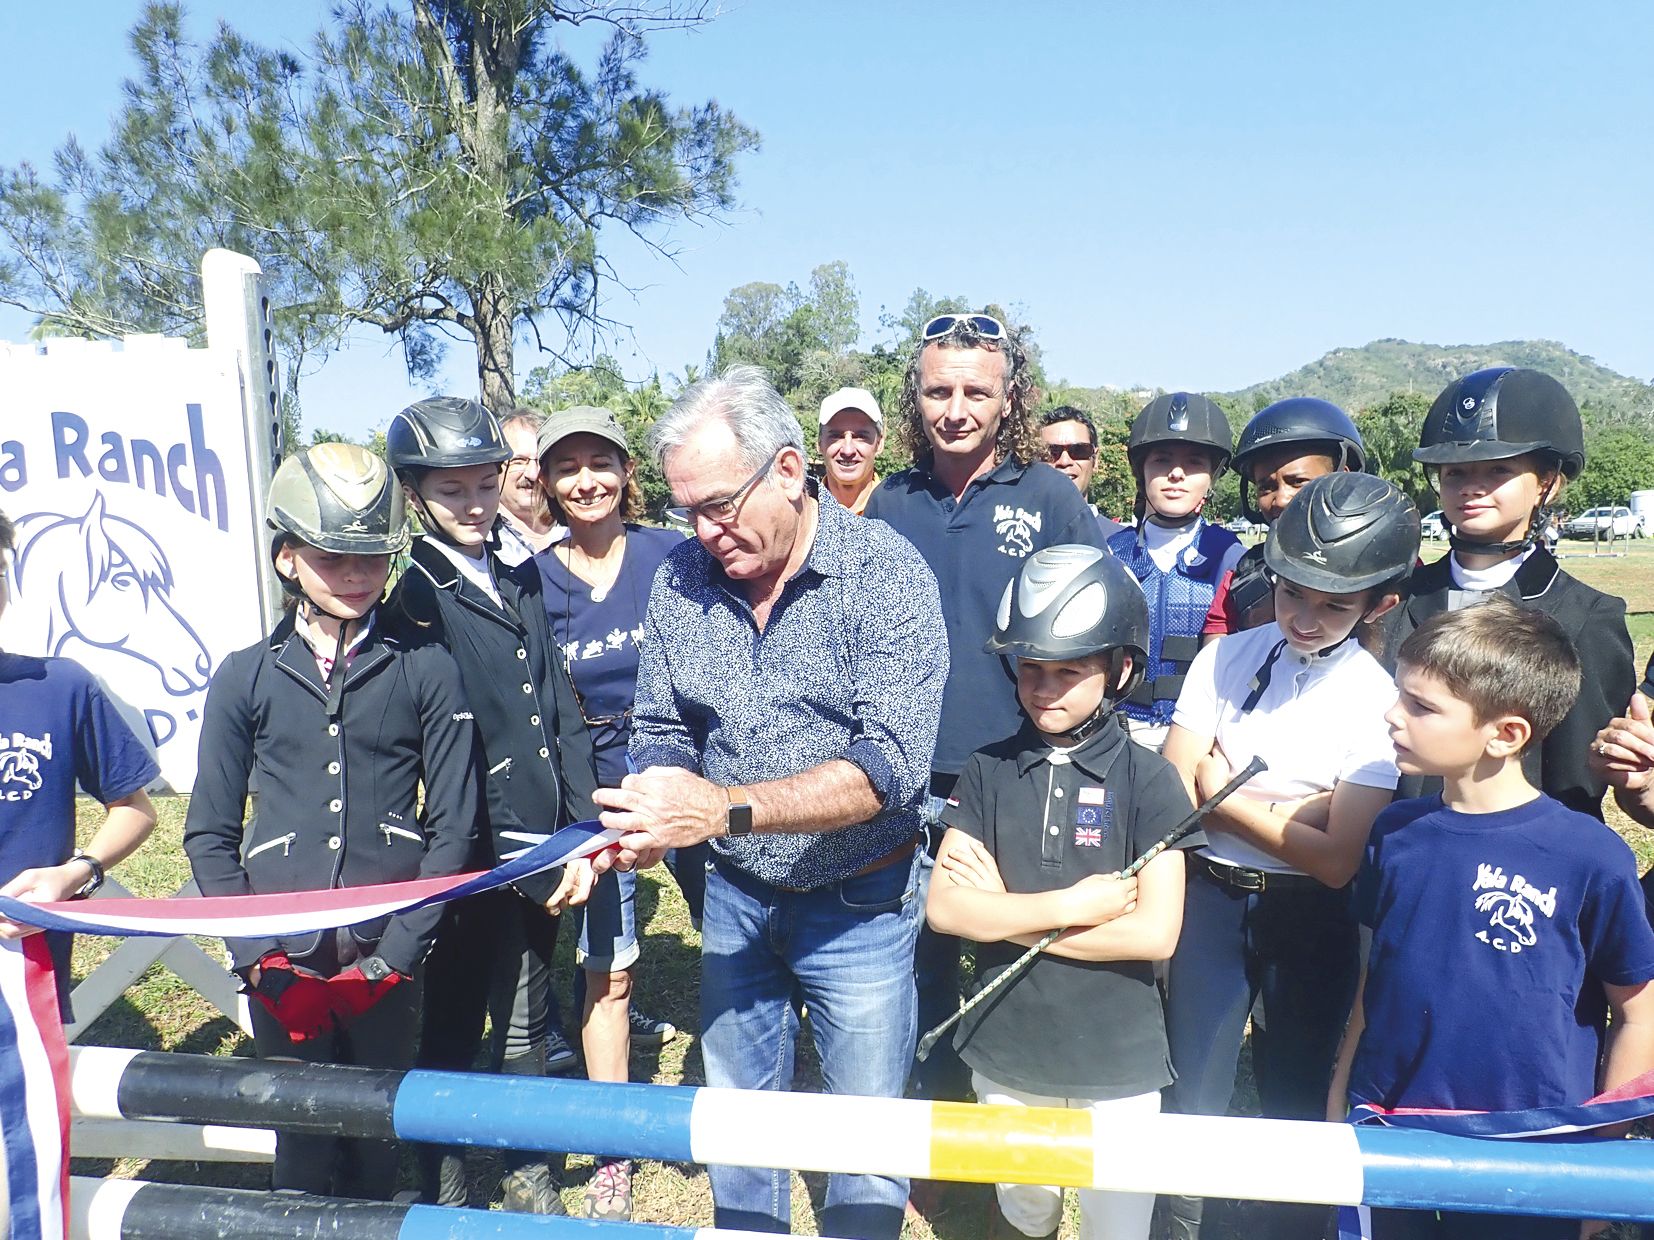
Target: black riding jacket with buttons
534	742
1559	766
338	798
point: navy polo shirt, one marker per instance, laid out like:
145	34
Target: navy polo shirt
975	545
1068	1028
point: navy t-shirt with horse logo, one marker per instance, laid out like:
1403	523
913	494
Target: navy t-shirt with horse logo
57	729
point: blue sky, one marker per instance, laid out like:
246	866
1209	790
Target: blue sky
1184	194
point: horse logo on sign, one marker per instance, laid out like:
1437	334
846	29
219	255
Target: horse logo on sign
103	580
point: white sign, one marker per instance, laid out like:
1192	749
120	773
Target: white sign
127	469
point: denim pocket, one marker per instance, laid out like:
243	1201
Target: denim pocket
883	891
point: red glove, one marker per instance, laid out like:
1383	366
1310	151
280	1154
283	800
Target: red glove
353	992
297	998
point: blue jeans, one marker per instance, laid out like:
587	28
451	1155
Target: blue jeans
849	948
1295	949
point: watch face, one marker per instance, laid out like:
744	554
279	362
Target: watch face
739	820
375	969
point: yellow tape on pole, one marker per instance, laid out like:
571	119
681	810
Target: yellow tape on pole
1025	1145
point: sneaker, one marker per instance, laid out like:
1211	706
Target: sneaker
560	1056
531	1190
609	1191
647	1031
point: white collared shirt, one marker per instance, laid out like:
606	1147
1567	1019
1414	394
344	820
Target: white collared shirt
1482	580
1319	721
477	571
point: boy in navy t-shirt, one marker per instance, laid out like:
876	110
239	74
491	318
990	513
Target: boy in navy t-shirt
56	729
1500	928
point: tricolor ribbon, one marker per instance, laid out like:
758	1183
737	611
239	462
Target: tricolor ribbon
1633	1100
34	1059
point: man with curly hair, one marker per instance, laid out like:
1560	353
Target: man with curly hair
977	501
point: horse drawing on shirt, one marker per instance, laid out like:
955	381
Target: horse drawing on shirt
104	581
1511	913
19	766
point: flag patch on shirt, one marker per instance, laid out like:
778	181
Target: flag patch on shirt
1093	821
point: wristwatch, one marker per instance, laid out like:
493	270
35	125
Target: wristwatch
93	883
374	968
738	817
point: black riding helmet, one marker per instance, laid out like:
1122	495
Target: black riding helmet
441	432
1502	412
1344	533
1495	414
1072	601
1180	417
444	432
1305	421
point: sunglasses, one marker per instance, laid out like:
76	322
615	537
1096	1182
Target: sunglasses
984	325
721	511
1054	452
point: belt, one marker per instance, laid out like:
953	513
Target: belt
1240	878
901	852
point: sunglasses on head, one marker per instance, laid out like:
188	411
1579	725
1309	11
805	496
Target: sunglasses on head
1076	451
984	325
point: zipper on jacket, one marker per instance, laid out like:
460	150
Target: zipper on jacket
285	841
387	830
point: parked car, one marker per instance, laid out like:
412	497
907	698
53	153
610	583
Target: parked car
1433	526
1238	525
1615	521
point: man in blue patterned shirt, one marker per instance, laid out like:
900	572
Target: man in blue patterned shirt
787	705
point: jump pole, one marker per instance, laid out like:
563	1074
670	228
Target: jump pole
137	1210
1200	1156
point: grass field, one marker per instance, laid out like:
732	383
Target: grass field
161	1013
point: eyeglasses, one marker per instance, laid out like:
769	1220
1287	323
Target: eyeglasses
520	462
1054	452
984	325
721	511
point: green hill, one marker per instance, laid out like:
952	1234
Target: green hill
1356	378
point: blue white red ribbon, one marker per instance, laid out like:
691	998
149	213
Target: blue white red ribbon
281	914
1633	1100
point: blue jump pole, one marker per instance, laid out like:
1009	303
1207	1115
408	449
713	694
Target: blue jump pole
1258	1159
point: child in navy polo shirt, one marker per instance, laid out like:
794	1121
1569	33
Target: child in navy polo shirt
1039	828
56	729
1529	910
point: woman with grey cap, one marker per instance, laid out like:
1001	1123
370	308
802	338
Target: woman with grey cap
597	582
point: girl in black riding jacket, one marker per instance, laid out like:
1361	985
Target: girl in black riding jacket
338	720
494	953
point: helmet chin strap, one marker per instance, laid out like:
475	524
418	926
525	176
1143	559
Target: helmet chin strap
433	528
1092	724
1537	521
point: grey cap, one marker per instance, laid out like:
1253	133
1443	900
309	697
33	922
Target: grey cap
581	420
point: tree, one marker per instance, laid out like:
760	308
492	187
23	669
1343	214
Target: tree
1390	432
797	337
636	408
1617	462
441	170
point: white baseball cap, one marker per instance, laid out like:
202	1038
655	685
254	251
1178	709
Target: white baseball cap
851	398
